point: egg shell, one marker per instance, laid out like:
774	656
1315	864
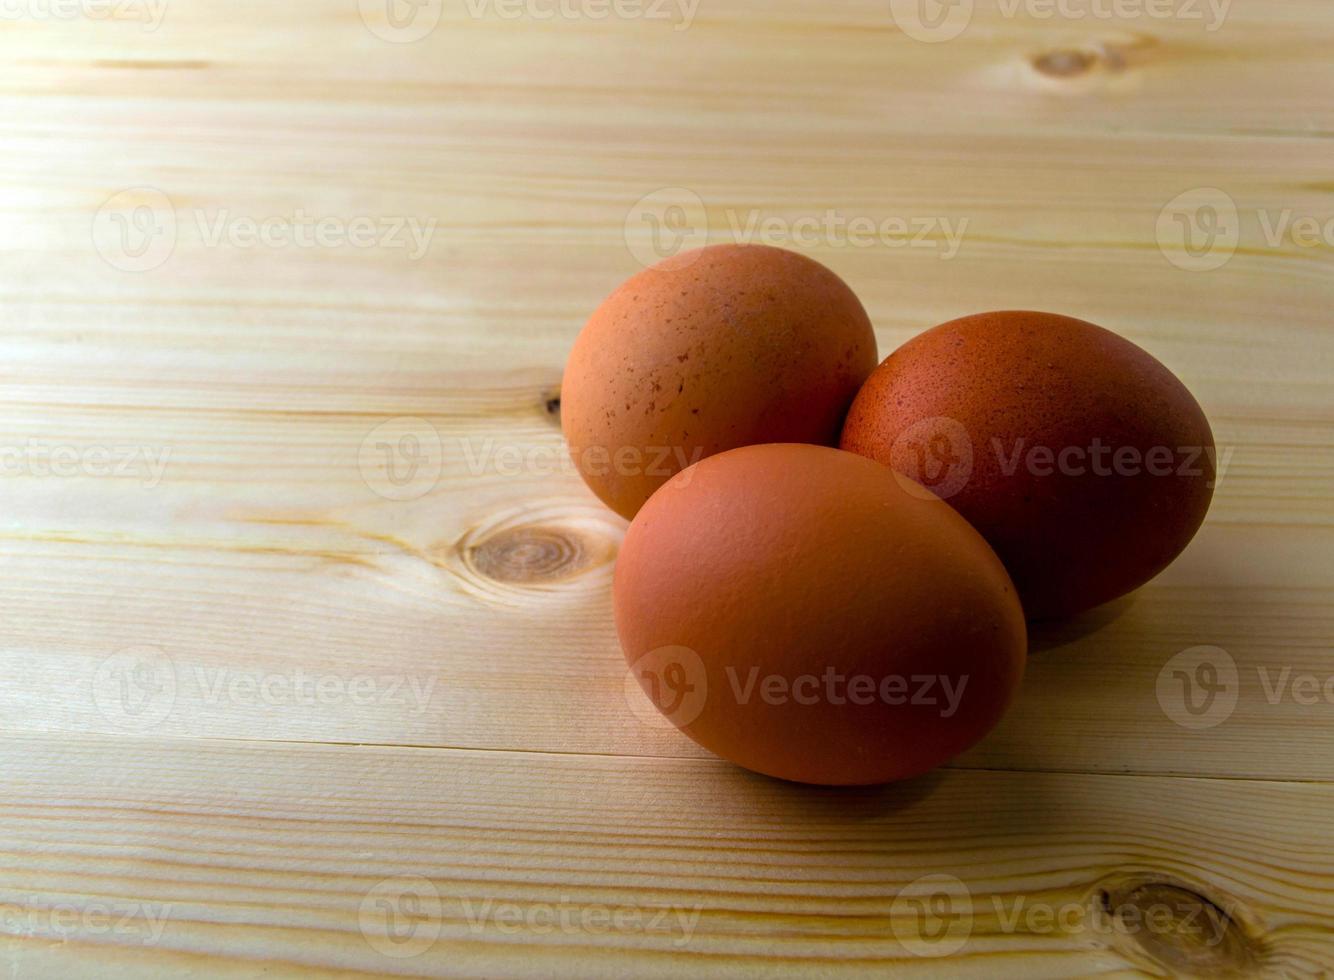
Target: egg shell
973	407
795	561
721	347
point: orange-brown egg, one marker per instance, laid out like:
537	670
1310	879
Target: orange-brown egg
809	614
717	348
1082	460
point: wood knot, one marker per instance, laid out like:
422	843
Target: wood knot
529	554
551	404
559	550
1176	928
1064	63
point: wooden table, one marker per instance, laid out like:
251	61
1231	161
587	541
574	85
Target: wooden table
308	662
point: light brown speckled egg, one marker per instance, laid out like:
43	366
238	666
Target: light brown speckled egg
724	347
1084	462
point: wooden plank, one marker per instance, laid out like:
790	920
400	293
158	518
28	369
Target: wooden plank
1017	66
231	859
249	574
479	615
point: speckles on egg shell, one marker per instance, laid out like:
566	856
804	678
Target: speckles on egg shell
766	334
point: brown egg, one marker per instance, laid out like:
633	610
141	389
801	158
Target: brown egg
801	612
713	349
1083	461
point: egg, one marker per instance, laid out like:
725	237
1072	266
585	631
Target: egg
713	349
1084	462
808	614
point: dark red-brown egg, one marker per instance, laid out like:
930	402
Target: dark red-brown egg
1083	461
721	347
809	614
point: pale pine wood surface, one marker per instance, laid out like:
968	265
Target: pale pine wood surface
517	768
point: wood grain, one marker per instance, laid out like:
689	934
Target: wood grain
219	557
273	857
